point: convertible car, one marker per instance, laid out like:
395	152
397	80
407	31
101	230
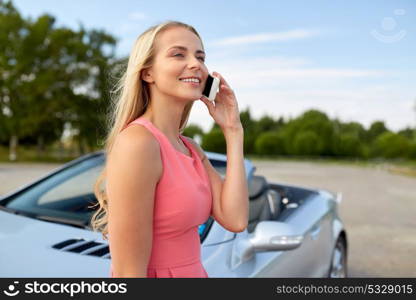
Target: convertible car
292	232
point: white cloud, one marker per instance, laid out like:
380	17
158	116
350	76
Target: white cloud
410	104
286	73
281	86
295	34
363	105
260	63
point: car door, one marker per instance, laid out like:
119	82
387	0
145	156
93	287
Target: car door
311	220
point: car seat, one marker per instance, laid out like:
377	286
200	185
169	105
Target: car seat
264	203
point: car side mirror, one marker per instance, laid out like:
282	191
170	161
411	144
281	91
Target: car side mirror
275	236
267	236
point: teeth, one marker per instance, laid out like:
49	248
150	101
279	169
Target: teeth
190	80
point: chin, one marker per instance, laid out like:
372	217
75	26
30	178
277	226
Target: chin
192	97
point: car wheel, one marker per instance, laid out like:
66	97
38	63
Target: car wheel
338	267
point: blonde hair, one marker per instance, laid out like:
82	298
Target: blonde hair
133	99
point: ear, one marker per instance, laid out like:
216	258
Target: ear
146	75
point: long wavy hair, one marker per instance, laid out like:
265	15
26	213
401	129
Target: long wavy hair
132	96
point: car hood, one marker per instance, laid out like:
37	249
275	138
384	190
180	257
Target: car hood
26	249
36	248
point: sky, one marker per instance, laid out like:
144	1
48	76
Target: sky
353	60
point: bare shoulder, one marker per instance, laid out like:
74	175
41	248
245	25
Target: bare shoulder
138	144
136	134
197	147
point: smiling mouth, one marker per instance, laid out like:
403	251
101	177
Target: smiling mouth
192	83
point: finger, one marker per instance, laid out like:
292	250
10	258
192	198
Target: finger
205	99
218	75
208	103
222	80
226	89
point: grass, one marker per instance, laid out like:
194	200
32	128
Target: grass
401	170
404	167
29	155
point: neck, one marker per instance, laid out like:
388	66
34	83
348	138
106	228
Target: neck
166	114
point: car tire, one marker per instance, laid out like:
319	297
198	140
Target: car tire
338	265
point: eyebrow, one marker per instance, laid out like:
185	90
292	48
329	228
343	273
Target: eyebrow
185	49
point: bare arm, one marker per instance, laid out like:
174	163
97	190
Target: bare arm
133	170
230	195
231	204
231	208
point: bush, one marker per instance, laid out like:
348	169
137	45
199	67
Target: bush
348	145
412	151
214	141
391	145
269	143
307	143
301	133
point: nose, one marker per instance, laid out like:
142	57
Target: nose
194	62
198	65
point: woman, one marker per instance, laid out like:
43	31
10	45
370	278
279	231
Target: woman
160	186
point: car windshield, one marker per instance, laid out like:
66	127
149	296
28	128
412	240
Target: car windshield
68	197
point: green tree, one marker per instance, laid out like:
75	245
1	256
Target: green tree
51	77
349	145
266	123
94	91
353	129
249	126
408	133
412	151
312	121
269	143
13	28
391	145
376	129
192	130
307	143
214	141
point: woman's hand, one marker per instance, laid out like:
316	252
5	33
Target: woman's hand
225	111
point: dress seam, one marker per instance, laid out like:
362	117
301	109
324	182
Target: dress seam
173	266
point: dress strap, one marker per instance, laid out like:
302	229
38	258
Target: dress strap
163	140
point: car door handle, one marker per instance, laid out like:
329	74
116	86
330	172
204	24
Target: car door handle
315	232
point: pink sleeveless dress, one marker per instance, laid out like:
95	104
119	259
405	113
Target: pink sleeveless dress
183	201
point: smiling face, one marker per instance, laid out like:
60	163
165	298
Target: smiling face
179	55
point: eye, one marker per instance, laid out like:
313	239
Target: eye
199	57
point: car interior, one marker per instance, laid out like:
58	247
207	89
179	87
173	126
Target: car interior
265	203
273	201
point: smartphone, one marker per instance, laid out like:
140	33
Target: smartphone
211	87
